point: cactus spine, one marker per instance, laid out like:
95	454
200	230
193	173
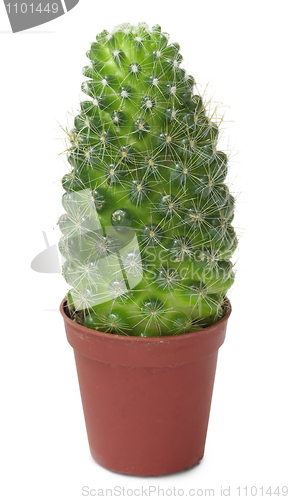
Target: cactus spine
147	233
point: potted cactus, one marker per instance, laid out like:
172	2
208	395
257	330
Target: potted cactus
147	241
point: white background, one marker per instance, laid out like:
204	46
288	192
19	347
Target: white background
241	51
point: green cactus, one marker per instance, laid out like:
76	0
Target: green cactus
147	233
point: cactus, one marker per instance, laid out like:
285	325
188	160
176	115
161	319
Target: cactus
147	235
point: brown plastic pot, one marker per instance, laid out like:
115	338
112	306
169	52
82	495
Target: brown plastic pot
146	401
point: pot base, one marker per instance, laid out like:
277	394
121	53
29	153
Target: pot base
145	471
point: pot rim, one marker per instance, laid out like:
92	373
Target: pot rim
122	338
